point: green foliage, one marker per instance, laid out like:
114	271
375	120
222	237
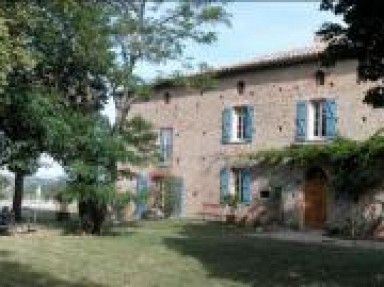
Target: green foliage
56	57
303	154
59	60
355	166
4	184
142	196
204	80
155	32
171	195
361	36
122	199
91	157
231	199
14	17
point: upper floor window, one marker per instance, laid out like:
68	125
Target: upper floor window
316	119
320	78
167	98
237	124
240	87
165	143
235	185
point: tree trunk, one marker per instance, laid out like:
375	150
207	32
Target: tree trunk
92	216
18	195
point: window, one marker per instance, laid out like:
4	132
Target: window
272	193
165	143
167	98
316	119
319	119
235	185
142	187
320	78
240	87
238	184
237	124
265	194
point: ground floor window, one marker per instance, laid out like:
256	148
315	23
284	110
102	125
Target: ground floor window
235	185
238	184
168	195
165	144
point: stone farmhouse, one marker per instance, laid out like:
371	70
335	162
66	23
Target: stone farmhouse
269	102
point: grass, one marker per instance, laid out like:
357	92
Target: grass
182	253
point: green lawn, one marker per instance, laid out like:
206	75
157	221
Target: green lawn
177	253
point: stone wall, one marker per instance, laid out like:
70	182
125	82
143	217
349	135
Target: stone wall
198	153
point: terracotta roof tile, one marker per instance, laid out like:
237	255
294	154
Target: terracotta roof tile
285	57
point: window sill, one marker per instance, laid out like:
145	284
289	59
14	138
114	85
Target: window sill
244	204
237	205
238	142
164	165
315	140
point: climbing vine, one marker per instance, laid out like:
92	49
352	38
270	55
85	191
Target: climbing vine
355	166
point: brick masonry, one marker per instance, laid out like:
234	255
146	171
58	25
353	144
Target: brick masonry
195	117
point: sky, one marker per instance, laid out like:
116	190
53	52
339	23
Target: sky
257	28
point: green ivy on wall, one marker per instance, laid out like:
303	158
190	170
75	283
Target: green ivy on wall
354	166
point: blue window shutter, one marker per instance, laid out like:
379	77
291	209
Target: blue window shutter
301	120
165	146
162	151
139	181
142	187
226	125
224	184
246	185
330	118
179	208
249	122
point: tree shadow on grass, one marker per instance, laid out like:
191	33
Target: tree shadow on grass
267	262
15	274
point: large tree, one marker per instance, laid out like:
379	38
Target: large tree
361	36
151	32
154	32
63	58
92	170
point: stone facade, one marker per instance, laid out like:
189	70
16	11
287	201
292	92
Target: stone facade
196	120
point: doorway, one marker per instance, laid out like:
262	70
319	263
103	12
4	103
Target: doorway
315	189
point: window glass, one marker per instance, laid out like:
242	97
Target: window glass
240	181
323	120
239	123
165	145
319	119
238	184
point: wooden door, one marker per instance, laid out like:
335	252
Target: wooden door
314	198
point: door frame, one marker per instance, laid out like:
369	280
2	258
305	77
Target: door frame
311	174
